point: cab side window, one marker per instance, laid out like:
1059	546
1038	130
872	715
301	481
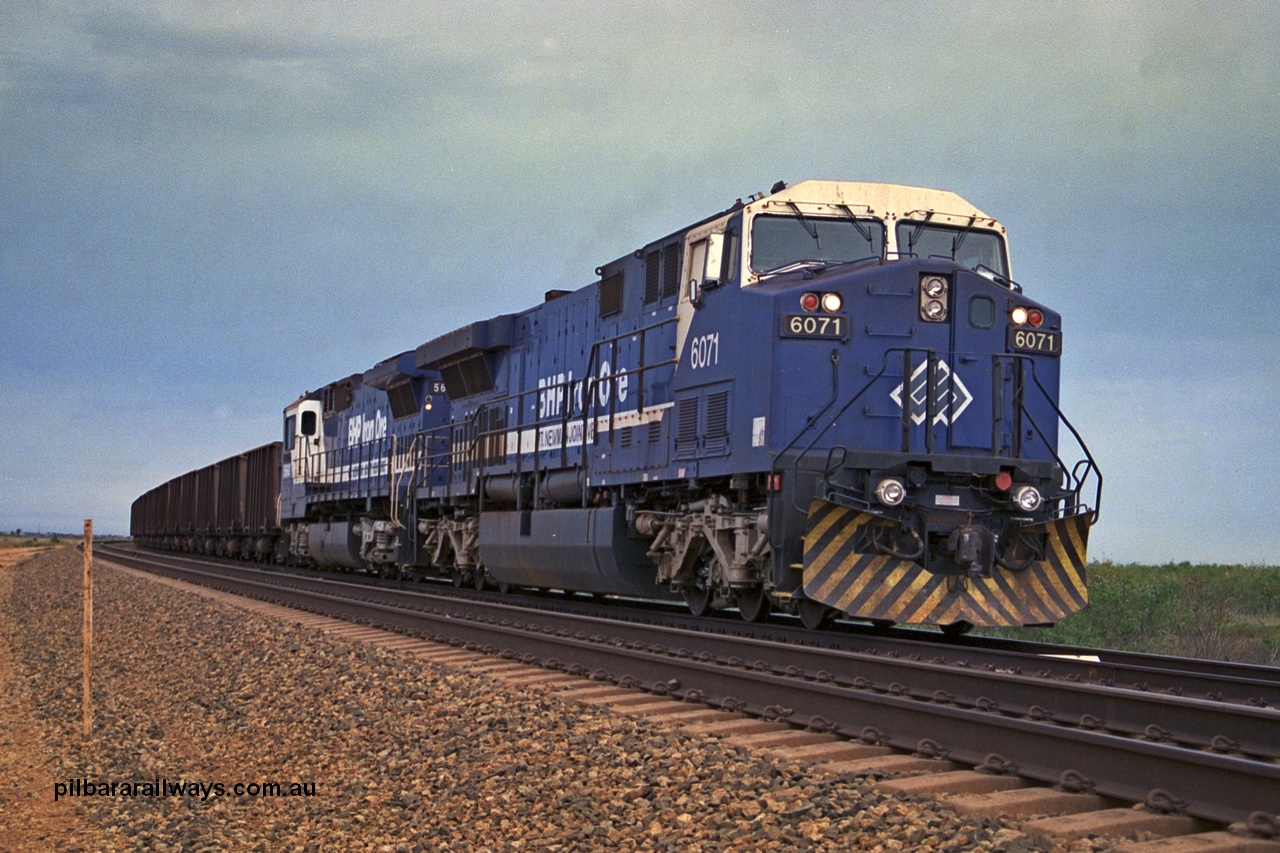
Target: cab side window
729	264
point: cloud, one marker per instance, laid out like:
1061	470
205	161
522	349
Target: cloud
221	204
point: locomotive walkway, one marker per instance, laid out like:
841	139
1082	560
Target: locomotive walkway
1187	760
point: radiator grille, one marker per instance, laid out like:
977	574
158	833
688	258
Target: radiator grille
687	428
671	270
652	277
717	435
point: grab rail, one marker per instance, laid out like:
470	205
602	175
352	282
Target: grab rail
1076	476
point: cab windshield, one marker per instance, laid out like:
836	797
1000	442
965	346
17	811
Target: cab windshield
970	247
779	241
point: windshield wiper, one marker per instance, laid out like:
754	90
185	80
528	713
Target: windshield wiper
862	229
955	244
809	227
805	264
997	277
915	234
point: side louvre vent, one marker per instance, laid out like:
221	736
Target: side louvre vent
717	435
467	377
687	428
661	273
337	397
652	277
402	400
671	270
611	295
655	431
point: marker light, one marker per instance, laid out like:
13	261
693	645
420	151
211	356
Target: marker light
890	492
1027	498
1019	316
1003	481
809	301
426	404
1035	317
831	302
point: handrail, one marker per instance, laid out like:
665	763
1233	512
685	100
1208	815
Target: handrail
478	462
1092	466
1075	477
591	407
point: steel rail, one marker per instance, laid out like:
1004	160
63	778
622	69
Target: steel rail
1215	681
1208	785
1197	724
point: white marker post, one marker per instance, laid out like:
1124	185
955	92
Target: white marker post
87	703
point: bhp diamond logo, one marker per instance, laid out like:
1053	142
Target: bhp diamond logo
950	396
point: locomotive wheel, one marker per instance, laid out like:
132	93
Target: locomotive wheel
504	588
754	604
478	578
814	614
699	595
459	580
698	599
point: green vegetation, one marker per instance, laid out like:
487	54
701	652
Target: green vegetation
30	540
1211	612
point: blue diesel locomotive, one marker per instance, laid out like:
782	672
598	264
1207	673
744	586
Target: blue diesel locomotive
831	400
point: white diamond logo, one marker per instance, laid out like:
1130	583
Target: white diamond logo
950	396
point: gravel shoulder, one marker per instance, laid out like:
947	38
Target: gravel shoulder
400	754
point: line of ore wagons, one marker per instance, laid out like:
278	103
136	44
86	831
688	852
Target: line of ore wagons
230	508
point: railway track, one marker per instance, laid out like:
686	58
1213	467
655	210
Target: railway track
1197	745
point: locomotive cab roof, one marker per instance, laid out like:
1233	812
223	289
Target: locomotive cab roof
885	201
892	204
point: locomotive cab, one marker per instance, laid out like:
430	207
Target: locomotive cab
304	441
915	424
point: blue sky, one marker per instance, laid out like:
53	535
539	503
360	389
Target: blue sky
206	209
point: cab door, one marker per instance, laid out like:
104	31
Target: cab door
983	371
308	456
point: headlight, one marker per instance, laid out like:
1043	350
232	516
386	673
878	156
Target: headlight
890	492
933	298
1027	498
1027	316
934	286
